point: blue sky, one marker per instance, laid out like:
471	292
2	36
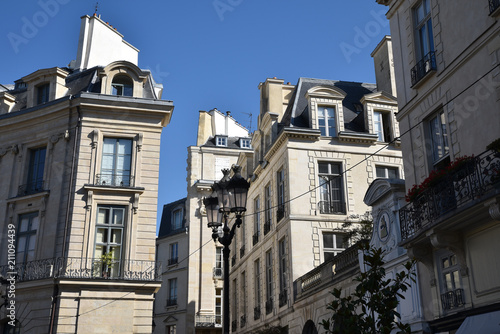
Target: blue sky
206	53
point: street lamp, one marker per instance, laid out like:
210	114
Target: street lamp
231	197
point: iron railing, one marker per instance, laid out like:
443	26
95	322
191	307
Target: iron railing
256	313
494	4
218	272
424	66
208	321
283	298
467	183
85	268
330	207
452	299
255	238
267	227
114	180
269	305
31	188
280	212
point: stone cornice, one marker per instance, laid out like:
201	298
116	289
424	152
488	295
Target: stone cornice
291	133
362	138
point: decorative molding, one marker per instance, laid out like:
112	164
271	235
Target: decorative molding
493	209
135	204
140	138
90	194
424	256
95	138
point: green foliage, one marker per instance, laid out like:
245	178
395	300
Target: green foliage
361	230
371	309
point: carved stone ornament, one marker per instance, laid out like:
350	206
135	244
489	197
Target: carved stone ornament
135	204
90	194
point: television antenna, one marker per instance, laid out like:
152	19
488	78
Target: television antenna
250	121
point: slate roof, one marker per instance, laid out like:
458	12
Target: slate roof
298	114
166	217
232	143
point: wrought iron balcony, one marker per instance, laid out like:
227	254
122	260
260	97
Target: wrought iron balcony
464	185
243	320
424	66
242	251
85	268
31	188
173	261
234	325
114	180
256	313
329	207
267	227
452	299
280	212
208	321
283	298
172	301
255	238
494	5
269	306
218	272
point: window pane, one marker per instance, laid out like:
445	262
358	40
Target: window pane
380	171
34	223
24	224
323	168
341	241
392	173
328	240
103	216
116	236
118	216
102	235
21	243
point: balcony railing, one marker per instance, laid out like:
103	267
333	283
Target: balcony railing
424	66
114	180
31	188
326	272
234	325
85	268
468	183
494	4
452	299
256	313
269	306
173	261
208	321
329	207
267	227
242	251
283	298
218	272
280	212
243	320
172	301
255	239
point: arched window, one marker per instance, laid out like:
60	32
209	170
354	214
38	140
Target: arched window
122	85
309	328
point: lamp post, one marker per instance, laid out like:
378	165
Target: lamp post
231	198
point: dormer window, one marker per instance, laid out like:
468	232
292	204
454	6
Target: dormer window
326	121
382	126
42	93
122	86
221	141
245	143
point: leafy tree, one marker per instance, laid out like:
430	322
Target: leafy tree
371	309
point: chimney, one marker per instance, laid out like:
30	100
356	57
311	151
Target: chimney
384	66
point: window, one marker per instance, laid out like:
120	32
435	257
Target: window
8	329
176	223
42	93
35	172
108	242
26	237
116	162
326	121
269	282
221	141
172	292
172	329
243	294
174	255
451	287
331	193
122	86
268	205
387	172
218	257
382	125
257	158
439	137
423	29
282	271
281	195
333	244
234	301
256	220
245	143
257	282
218	306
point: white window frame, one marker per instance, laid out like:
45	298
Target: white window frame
328	127
325	188
221	141
282	264
245	143
423	26
386	169
382	125
28	225
336	249
440	147
257	284
269	275
117	174
177	225
257	215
